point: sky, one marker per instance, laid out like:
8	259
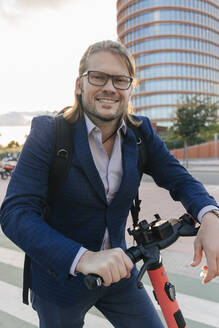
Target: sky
42	42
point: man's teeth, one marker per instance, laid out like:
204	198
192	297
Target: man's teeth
108	101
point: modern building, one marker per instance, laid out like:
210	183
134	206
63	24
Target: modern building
176	47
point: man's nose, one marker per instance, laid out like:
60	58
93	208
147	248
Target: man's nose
109	85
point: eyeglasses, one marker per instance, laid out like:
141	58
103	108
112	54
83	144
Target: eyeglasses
97	78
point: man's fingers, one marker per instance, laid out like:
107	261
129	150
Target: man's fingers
111	264
117	272
207	241
122	268
108	277
128	275
128	262
197	253
211	268
117	266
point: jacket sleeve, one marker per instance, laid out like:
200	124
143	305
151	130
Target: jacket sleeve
22	211
168	173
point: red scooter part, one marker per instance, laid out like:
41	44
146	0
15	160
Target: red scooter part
165	295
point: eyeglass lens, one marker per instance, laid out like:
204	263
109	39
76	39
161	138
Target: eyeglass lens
101	78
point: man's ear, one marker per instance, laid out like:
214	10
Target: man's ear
78	86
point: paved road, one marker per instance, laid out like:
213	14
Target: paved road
210	177
207	177
199	304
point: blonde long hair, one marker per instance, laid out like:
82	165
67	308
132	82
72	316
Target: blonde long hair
75	112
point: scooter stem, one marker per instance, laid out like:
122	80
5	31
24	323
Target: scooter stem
165	295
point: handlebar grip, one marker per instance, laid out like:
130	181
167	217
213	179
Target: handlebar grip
93	281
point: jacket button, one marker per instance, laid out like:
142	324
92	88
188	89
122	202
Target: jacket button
52	273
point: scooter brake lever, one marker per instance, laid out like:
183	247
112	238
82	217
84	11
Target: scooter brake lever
188	226
151	256
188	231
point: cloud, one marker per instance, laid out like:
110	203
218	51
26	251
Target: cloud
40	4
15	9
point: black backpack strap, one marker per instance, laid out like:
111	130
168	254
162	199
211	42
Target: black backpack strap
26	279
62	155
135	209
142	160
59	169
142	151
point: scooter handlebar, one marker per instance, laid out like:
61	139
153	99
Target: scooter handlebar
184	226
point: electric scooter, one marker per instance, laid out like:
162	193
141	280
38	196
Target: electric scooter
3	174
151	238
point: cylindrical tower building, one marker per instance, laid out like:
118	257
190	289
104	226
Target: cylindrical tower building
176	47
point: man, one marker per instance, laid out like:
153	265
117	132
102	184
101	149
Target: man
86	224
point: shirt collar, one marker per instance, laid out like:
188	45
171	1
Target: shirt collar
91	126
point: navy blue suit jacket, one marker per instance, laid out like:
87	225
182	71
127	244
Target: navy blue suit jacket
80	214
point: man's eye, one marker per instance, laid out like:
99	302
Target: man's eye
121	80
98	77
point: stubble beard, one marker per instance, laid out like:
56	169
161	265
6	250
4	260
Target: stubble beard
91	111
102	118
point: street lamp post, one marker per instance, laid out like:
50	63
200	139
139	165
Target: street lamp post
215	144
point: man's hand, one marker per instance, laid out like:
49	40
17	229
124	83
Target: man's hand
207	240
111	264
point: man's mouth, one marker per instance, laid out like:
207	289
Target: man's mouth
107	100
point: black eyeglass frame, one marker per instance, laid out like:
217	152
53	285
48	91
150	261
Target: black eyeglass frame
109	76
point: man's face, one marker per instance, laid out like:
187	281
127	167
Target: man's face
104	103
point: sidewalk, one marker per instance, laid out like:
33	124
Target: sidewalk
203	164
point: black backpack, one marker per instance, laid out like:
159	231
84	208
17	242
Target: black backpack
59	169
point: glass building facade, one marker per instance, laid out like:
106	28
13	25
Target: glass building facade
176	47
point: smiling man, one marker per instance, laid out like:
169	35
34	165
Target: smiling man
85	228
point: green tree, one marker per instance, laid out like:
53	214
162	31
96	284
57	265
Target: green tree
194	115
209	133
13	144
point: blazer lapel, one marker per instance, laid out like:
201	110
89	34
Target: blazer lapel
82	149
